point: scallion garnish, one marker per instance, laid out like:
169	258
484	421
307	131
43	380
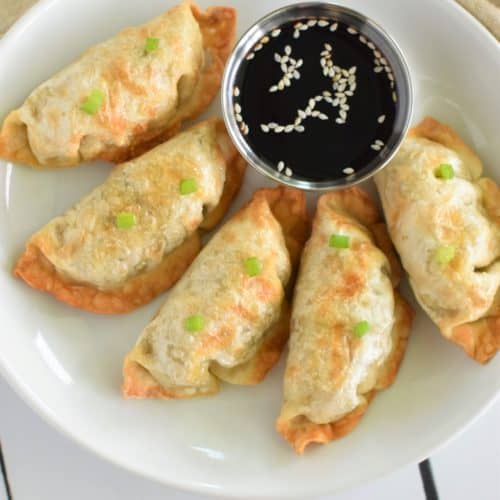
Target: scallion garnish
339	241
151	44
361	328
125	220
93	102
253	266
445	171
445	254
188	186
194	323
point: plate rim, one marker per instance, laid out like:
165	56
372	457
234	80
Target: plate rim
38	406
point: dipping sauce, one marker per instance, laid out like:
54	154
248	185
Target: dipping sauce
316	99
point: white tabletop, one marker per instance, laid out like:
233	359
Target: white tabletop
42	464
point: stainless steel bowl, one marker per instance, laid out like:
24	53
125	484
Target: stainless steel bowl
364	26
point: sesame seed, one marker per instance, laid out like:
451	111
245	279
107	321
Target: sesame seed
375	147
343	114
264	40
272	125
352	70
383	60
362	39
296	34
349	93
297	25
296	75
264	128
288	172
381	118
301	114
318	98
281	85
322	116
281	166
370	45
279	129
277	57
273	88
390	76
299	63
378	69
284	67
335	102
377	53
352	30
236	91
250	56
297	121
288	50
394	97
322	23
328	47
312	22
299	128
275	32
238	118
348	170
304	27
315	113
286	81
339	120
344	106
326	93
237	108
289	128
257	47
312	103
334	26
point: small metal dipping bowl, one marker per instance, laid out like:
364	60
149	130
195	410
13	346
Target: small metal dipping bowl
364	26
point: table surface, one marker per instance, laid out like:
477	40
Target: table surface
41	464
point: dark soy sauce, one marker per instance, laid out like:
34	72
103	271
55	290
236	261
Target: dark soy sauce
324	144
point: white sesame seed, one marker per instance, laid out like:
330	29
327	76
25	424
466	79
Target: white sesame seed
362	39
353	87
250	56
352	30
276	32
334	26
322	23
312	103
322	61
299	63
379	142
318	98
288	50
296	34
236	91
344	106
285	59
257	47
277	57
289	128
273	88
392	85
304	27
328	47
390	76
264	39
394	97
299	128
315	113
296	75
301	114
237	108
246	130
349	93
329	100
238	118
322	116
288	172
348	170
378	69
377	53
297	25
342	114
370	45
345	72
326	93
381	118
339	120
335	102
376	62
281	85
281	166
286	81
272	125
312	22
264	128
279	129
375	147
284	67
383	60
297	121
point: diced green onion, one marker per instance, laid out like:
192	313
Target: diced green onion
188	186
93	102
151	44
194	323
339	241
445	254
253	266
445	171
361	328
125	220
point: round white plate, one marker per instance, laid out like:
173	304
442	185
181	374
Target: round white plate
67	363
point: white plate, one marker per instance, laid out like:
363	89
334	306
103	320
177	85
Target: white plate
67	363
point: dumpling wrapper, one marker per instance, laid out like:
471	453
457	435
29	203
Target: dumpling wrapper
425	213
85	260
246	318
331	375
146	95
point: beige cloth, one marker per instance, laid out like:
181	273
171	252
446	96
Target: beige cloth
487	11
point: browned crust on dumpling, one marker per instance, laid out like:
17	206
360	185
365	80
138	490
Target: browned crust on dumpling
218	29
480	339
36	270
138	383
267	355
300	431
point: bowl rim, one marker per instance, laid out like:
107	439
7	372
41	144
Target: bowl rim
288	13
